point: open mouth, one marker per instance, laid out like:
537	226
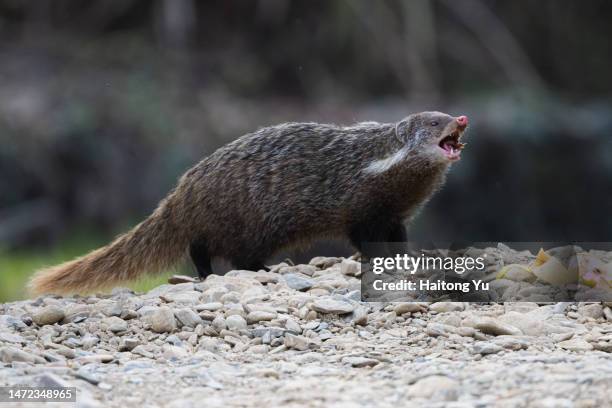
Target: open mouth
451	146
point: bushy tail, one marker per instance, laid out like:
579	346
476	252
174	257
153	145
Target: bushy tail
153	245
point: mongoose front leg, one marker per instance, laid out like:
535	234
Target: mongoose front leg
201	258
376	231
250	265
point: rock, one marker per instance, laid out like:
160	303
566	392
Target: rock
360	316
219	323
512	342
438	329
292	326
296	342
434	386
227	283
49	380
259	349
360	361
608	313
162	320
88	341
188	297
603	346
75	313
11	354
552	402
173	352
537	322
485	347
324	262
465	331
521	307
108	307
187	317
257	316
211	307
350	268
594	311
492	326
128	344
441	307
96	358
230	298
332	306
236	323
410	307
575	344
48	315
164	290
298	282
116	324
449	319
11	338
9	322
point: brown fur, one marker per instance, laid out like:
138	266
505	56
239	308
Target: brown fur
273	188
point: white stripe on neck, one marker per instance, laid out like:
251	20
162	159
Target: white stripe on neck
382	165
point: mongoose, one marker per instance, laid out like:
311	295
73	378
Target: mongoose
280	186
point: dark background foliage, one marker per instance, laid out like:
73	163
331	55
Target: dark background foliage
104	103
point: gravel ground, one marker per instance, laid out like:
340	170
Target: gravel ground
299	336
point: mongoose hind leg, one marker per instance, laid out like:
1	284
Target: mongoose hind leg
201	258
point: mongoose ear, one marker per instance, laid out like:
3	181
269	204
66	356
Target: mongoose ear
403	129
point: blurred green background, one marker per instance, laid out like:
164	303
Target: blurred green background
104	103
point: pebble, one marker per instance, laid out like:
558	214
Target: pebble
88	341
442	307
296	342
128	344
162	320
360	361
11	338
9	322
332	306
210	307
293	326
116	324
48	315
485	347
492	326
324	262
575	344
402	308
257	316
236	323
350	268
11	354
188	297
173	352
594	311
298	282
187	317
434	386
307	270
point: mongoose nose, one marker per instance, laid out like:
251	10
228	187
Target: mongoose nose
462	121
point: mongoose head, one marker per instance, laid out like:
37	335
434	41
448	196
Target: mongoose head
433	135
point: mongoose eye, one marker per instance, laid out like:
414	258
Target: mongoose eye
434	123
